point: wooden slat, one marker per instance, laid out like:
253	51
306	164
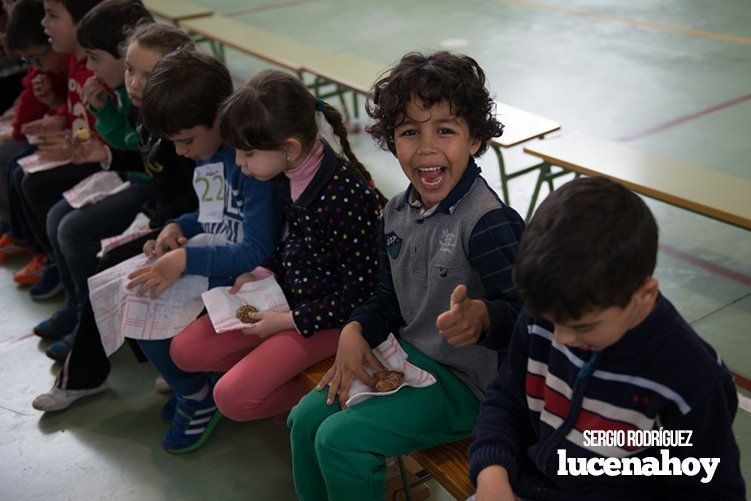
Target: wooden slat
259	43
312	375
447	463
520	126
346	70
449	466
176	10
711	193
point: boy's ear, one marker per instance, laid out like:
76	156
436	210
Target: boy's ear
648	292
292	148
474	145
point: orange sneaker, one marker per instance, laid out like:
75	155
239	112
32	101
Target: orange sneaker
32	272
9	248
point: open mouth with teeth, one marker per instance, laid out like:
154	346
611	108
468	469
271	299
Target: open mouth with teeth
431	178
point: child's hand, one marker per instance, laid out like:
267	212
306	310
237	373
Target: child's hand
351	356
95	93
170	238
46	125
157	277
465	320
493	485
242	280
55	147
41	86
92	151
269	323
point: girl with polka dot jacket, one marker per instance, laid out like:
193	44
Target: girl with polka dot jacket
327	265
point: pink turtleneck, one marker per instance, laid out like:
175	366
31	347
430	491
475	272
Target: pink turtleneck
302	175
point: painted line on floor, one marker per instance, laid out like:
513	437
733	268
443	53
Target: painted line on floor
704	264
686	118
261	8
741	381
744	403
6	344
731	303
632	22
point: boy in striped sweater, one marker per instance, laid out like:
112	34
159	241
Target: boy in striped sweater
607	392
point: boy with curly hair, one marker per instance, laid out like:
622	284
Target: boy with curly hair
447	245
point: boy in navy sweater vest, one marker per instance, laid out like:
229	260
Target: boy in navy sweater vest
607	392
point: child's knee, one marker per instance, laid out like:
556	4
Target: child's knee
332	437
184	353
305	417
231	402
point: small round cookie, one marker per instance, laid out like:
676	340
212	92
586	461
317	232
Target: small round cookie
388	380
82	135
243	314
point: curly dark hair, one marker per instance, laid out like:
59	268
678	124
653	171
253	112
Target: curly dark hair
441	76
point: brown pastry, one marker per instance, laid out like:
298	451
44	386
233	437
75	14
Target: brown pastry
243	314
82	135
388	380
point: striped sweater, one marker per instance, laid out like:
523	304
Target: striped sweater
659	374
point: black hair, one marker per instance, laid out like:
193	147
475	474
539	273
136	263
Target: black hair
274	106
77	8
105	26
24	29
185	89
591	244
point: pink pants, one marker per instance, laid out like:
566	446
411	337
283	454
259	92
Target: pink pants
260	377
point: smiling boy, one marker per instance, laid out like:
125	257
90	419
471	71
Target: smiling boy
445	289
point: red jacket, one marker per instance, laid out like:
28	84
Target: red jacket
29	108
76	112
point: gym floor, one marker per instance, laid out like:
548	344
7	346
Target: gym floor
664	76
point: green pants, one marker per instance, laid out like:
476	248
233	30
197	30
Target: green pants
341	454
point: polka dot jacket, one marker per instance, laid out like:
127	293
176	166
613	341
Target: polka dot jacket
328	263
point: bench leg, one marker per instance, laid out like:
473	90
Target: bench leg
546	177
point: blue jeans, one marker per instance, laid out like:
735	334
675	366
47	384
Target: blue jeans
75	234
182	382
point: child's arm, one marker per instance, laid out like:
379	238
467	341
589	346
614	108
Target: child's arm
261	225
503	427
112	123
492	252
380	314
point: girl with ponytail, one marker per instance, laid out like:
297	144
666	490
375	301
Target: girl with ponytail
327	265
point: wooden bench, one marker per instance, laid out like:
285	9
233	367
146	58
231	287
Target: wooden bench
447	463
262	44
713	194
519	127
175	11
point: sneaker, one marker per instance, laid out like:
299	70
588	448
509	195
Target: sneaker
192	424
49	285
9	248
58	399
168	411
59	350
32	272
162	386
62	322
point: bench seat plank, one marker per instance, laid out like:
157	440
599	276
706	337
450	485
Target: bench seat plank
259	43
520	126
711	193
176	10
346	70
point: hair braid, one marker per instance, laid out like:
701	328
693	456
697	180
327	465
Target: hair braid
334	118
